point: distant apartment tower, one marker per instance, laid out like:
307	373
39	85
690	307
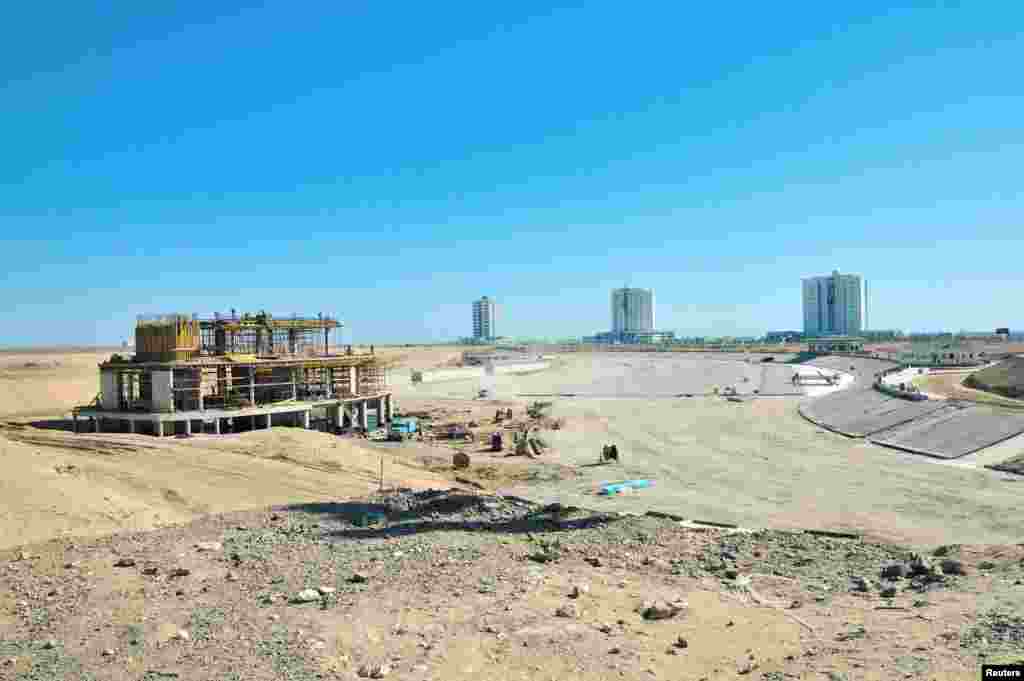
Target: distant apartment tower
832	305
632	311
483	319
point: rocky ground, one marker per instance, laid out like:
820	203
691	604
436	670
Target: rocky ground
453	585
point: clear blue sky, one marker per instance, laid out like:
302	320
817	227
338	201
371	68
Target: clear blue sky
389	162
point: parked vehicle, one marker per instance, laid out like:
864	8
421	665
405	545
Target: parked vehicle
403	428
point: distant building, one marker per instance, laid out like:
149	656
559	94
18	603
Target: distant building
832	344
645	338
953	352
484	313
783	336
832	305
632	310
632	320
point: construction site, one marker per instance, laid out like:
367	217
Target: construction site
233	373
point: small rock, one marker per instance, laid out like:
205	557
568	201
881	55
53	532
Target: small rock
744	667
986	565
274	618
893	570
124	562
205	546
10	661
182	635
70	566
50	644
732	573
579	590
109	652
180	572
150	571
859	584
25	555
730	623
569	610
919	565
614	651
231	576
794	604
660	610
306	596
374	671
358	578
681	643
594	561
605	628
326	590
951	566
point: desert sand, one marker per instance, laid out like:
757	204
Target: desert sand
756	463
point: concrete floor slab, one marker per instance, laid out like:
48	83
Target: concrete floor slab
859	413
955	431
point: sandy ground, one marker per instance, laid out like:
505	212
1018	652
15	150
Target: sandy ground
47	383
57	484
757	463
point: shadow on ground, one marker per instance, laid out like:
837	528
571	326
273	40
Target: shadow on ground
436	510
57	424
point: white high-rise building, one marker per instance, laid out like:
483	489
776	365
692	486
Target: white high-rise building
484	312
832	305
632	311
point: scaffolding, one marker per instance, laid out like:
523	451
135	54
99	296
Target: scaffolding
371	379
183	337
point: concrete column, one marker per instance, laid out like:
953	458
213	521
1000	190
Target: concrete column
188	426
387	408
295	390
305	420
131	426
363	422
252	386
268	420
158	426
96	424
74	418
216	426
353	386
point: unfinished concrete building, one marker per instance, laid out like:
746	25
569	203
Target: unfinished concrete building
232	372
